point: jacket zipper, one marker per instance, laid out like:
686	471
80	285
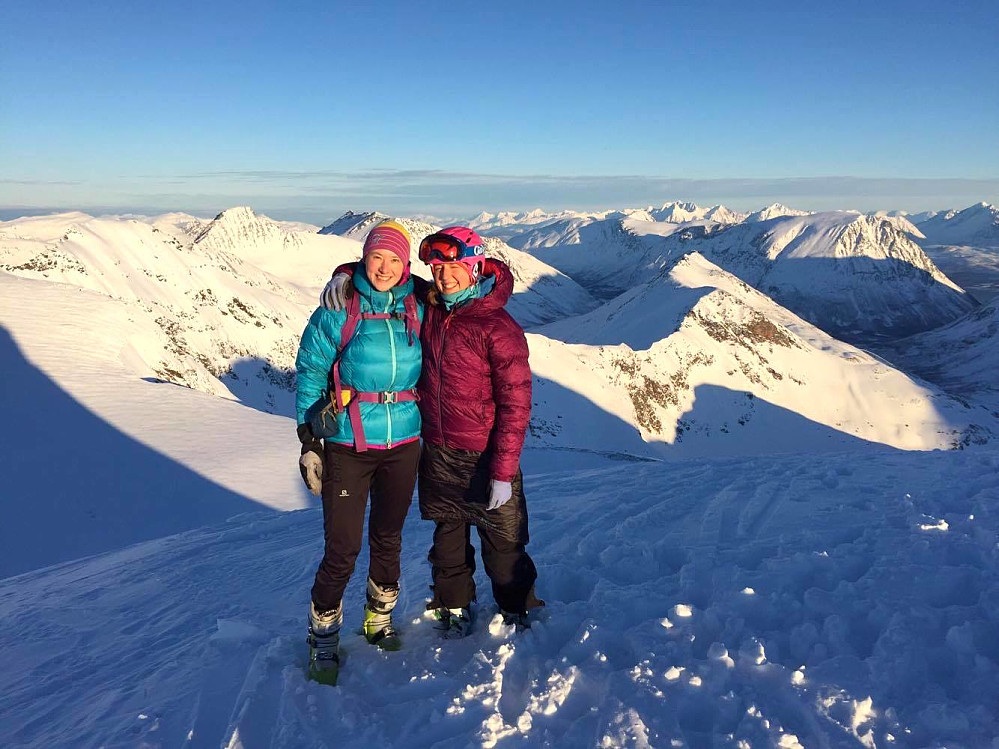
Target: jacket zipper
440	376
388	408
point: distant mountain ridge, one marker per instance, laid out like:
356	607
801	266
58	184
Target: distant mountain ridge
975	226
846	272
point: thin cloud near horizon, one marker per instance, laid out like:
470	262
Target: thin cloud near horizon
320	195
819	185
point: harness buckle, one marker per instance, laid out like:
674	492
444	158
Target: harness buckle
388	396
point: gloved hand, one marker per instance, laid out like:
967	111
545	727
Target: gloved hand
499	494
310	465
334	296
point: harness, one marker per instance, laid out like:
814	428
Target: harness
347	397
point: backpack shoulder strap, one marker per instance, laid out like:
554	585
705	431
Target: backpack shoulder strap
353	318
412	317
346	335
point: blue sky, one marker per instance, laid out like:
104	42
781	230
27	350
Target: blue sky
306	110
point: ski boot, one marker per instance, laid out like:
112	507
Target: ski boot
453	624
519	620
324	644
378	629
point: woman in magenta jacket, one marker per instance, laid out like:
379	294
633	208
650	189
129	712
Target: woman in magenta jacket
475	400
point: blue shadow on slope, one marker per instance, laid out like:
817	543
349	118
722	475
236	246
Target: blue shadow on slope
730	422
721	422
75	485
262	386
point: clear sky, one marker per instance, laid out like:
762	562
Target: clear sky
305	109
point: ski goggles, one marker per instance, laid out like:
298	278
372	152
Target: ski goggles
446	249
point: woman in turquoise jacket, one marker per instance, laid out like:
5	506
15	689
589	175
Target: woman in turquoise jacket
357	373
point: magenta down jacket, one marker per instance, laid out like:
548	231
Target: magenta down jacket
475	389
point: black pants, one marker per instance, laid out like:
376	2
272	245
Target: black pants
454	492
508	565
347	478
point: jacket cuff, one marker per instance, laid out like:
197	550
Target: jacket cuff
499	475
305	434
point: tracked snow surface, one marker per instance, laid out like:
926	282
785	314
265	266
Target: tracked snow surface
793	582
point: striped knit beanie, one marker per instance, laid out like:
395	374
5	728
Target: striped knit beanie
391	236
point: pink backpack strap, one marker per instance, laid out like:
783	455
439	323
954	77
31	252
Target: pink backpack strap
353	318
353	409
412	317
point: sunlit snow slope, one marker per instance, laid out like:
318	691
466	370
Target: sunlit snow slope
698	362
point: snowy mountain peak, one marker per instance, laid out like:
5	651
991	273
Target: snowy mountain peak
677	212
350	223
680	212
236	228
532	214
239	213
680	205
724	215
774	210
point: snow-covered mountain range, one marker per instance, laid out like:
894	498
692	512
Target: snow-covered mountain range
506	224
677	212
696	360
965	246
850	274
221	304
748	532
975	226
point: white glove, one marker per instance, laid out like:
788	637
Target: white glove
311	467
499	494
334	296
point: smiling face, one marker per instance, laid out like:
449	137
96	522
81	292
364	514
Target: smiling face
450	278
384	269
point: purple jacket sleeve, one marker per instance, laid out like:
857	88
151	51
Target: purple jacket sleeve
511	378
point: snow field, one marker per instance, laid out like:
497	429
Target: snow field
739	602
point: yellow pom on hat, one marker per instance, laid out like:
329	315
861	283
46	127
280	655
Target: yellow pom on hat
392	223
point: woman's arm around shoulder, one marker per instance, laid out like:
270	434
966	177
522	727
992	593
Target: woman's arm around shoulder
511	375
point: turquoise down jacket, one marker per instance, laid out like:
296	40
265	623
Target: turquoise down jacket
380	357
